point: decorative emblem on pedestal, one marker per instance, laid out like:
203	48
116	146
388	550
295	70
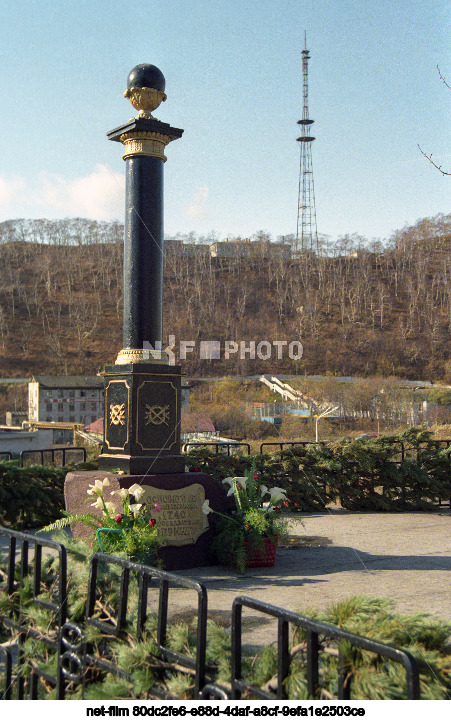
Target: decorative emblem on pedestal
157	415
117	413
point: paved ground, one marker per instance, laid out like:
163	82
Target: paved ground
405	556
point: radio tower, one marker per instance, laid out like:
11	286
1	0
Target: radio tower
306	231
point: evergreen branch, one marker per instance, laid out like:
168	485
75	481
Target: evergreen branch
89	519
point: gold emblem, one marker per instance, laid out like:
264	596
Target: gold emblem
157	415
117	413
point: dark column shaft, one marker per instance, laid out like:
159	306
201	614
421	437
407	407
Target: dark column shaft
143	252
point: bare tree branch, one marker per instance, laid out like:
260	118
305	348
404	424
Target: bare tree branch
429	157
443	79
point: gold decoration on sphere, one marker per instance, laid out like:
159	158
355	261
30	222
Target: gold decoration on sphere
145	100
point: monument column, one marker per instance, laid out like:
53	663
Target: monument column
142	392
144	139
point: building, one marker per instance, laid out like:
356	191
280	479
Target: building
65	399
197	427
16	440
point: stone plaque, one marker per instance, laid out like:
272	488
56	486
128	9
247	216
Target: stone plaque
181	520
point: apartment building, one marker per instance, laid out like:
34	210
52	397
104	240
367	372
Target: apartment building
65	399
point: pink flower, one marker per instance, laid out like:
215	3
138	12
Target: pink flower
152	522
196	469
256	475
157	507
118	518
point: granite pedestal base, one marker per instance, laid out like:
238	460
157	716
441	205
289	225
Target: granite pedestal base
142	419
188	532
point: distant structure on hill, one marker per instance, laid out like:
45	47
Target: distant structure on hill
306	231
238	248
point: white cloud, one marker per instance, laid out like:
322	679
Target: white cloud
98	195
9	190
197	208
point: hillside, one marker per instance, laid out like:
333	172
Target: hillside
355	312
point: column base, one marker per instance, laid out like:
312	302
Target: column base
141	465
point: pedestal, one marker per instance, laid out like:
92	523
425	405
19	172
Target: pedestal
189	533
142	419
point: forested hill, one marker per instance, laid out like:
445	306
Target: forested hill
360	309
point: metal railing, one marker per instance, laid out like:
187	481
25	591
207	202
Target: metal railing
217	446
145	575
75	655
281	445
53	453
314	630
8	455
17	620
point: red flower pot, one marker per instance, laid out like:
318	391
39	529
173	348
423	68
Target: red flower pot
259	556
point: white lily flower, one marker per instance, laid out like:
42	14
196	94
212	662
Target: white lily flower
206	507
134	507
231	491
277	494
111	508
228	480
263	491
122	493
136	491
241	481
96	488
105	482
98	503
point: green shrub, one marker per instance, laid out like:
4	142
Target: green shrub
365	474
30	496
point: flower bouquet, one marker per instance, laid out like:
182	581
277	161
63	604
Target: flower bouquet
132	532
249	535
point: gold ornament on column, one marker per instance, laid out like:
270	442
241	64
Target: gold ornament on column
145	100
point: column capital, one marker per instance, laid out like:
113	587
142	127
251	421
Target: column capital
145	137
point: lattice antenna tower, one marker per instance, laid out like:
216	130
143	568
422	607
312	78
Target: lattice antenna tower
306	230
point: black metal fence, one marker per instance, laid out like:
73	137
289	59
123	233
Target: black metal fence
314	630
218	446
48	456
12	580
75	654
284	444
57	456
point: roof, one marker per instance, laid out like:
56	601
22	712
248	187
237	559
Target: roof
69	381
197	423
95	427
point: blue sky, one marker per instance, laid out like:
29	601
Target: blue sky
234	83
